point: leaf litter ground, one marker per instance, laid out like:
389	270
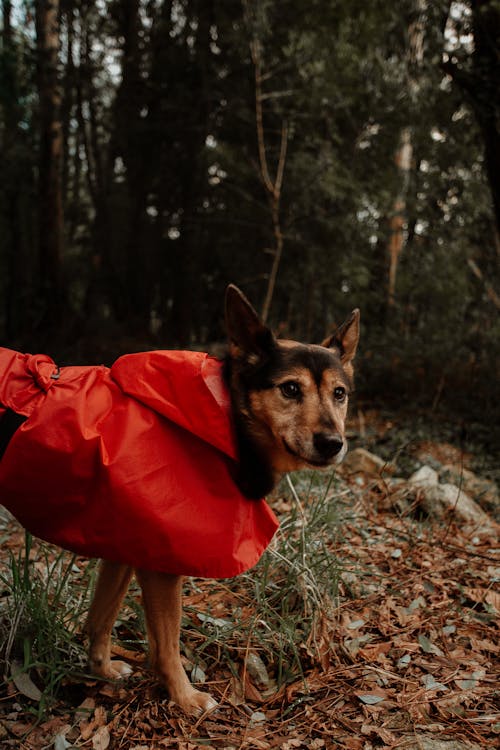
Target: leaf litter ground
368	624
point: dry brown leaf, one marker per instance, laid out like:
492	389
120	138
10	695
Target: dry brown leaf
483	644
135	656
100	716
101	739
17	728
385	735
354	743
84	710
251	692
24	683
236	695
87	728
484	595
373	651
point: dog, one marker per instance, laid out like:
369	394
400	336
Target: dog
287	408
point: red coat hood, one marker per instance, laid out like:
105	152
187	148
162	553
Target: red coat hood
185	387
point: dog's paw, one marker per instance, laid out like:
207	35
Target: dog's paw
113	670
195	703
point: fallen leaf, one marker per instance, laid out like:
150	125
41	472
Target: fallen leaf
370	698
257	669
198	675
126	653
373	651
355	625
431	684
24	683
61	743
416	604
85	709
258	717
216	622
484	596
101	739
404	661
428	646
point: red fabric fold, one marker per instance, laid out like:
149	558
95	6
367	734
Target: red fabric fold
132	464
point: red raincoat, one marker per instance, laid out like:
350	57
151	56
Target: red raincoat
133	463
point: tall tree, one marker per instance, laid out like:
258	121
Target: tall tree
404	154
478	76
50	202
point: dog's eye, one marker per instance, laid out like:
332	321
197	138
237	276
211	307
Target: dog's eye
339	394
290	389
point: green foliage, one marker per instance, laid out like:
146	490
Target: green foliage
163	196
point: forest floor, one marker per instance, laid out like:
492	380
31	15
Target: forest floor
372	622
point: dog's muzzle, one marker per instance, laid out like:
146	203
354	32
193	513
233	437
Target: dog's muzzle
327	444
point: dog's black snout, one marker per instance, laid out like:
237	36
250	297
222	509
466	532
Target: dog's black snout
327	444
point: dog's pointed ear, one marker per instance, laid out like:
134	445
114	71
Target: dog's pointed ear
249	337
345	338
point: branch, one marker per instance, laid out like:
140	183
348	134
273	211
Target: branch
494	297
255	52
281	162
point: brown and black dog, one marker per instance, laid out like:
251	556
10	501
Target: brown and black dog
289	403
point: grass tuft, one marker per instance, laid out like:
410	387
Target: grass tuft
283	605
44	610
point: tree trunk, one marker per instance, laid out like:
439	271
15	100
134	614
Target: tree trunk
104	282
50	203
404	153
17	183
486	91
397	222
187	254
67	103
481	86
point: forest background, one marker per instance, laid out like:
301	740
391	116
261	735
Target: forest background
321	155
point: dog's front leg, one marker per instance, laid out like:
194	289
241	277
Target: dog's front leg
162	598
111	587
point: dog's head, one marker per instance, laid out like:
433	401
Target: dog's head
291	397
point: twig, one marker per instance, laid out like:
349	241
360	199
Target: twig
494	297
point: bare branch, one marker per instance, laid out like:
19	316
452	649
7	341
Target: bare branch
494	297
255	52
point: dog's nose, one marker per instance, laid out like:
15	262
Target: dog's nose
328	444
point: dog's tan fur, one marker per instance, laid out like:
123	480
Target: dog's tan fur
277	432
300	421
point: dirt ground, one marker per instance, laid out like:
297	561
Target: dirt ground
405	655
